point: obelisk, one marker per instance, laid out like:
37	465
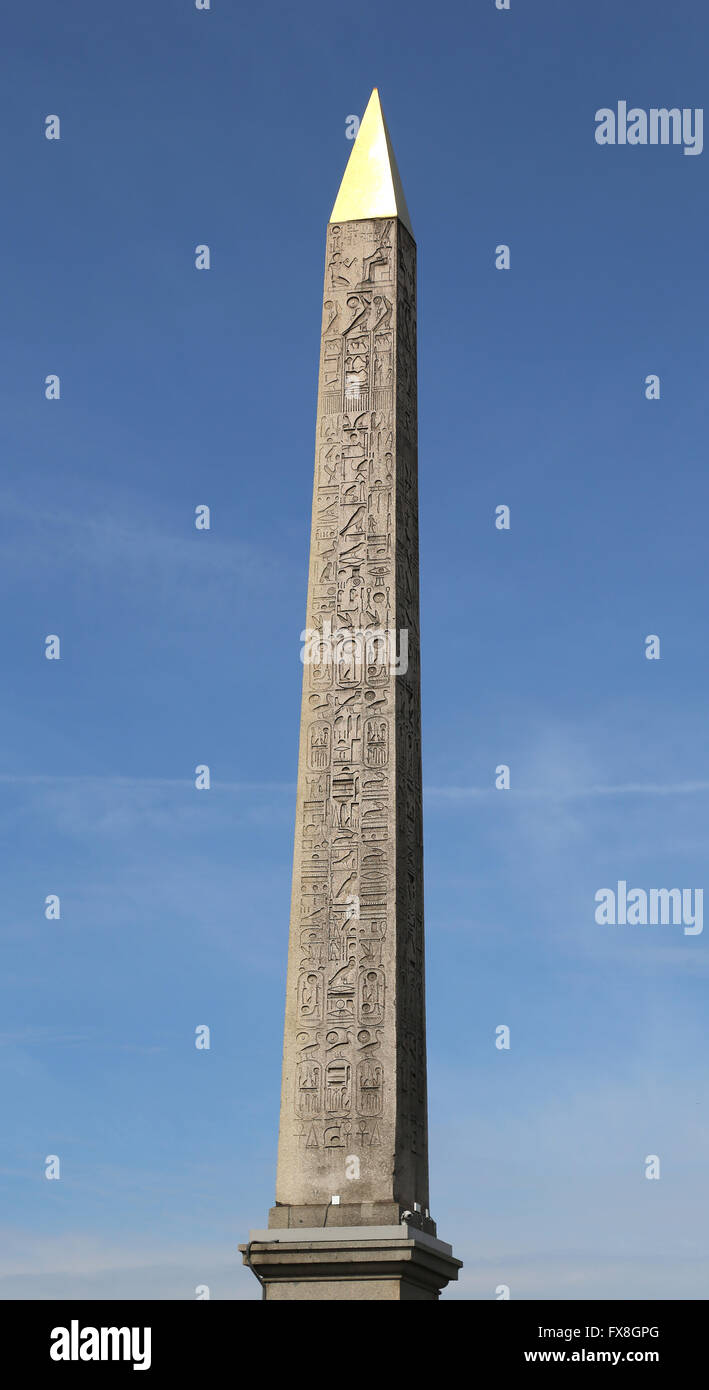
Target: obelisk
352	1219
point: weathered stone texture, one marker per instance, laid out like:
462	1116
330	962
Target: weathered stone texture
353	1109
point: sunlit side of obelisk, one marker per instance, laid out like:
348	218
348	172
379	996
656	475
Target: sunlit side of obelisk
352	1219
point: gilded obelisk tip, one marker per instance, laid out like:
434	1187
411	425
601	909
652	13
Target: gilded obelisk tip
371	185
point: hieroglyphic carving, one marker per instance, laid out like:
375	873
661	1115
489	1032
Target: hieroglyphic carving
354	1057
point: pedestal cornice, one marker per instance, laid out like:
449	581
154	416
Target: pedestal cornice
350	1263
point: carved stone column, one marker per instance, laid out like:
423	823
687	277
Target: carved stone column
353	1128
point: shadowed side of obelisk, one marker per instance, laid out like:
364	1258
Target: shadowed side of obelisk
351	1218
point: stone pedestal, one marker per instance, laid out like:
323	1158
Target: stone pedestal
350	1263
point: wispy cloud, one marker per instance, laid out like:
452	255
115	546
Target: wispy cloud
438	792
104	540
79	1265
550	793
137	783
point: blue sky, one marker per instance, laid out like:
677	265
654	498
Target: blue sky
181	647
